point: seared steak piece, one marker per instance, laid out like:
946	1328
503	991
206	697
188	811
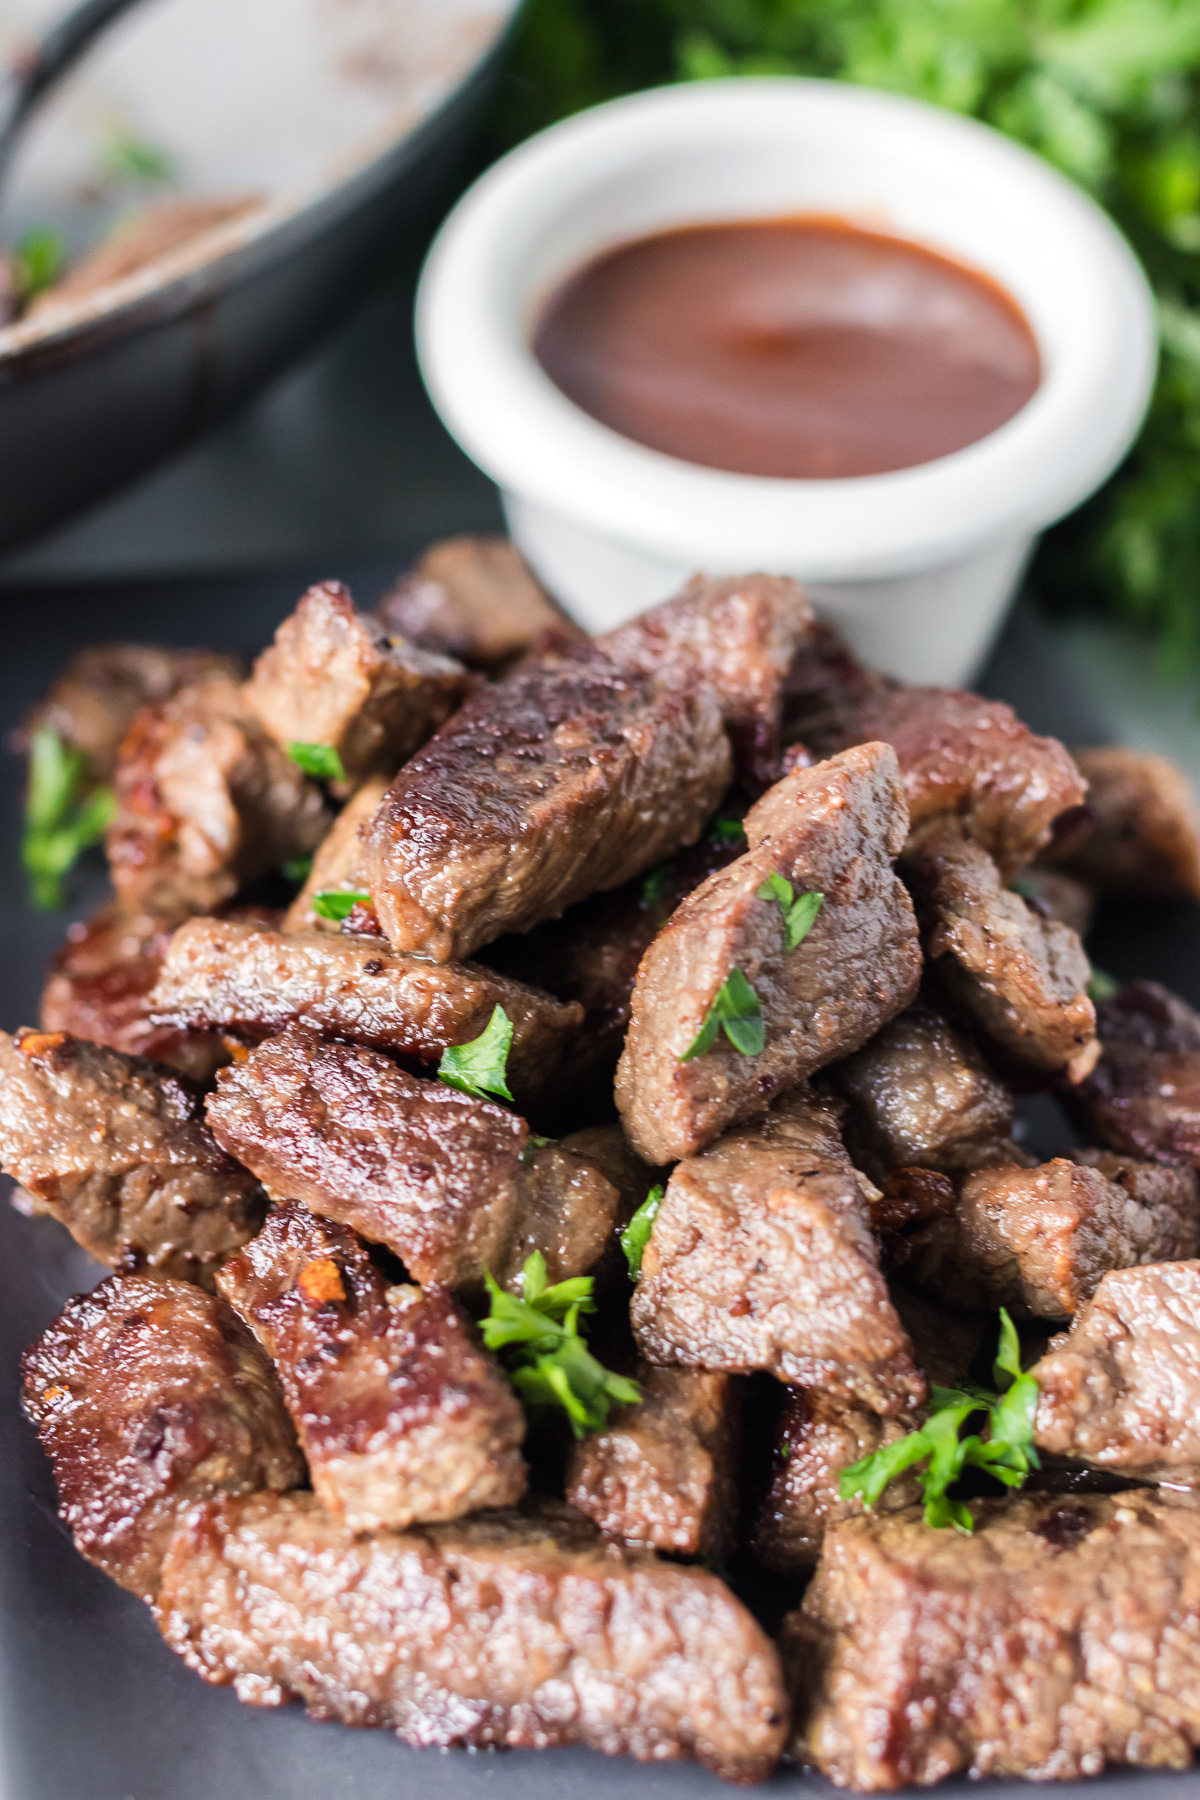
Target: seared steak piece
832	830
664	1472
1143	1096
1038	1240
817	1438
508	1629
739	636
400	1416
336	865
920	1095
1057	895
958	754
332	677
474	598
568	777
762	1257
1021	978
116	1149
452	1184
1146	834
149	1395
1061	1636
99	988
96	698
254	983
1122	1389
206	801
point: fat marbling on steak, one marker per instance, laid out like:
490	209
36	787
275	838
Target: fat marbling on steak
737	635
206	801
762	1257
1143	1096
664	1472
255	982
1038	1240
452	1184
400	1416
149	1395
117	1150
476	599
567	777
1121	1390
833	830
1020	977
331	677
1062	1636
518	1629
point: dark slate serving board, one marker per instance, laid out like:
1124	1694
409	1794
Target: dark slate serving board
91	1702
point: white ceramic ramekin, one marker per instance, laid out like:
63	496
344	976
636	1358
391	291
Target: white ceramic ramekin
916	566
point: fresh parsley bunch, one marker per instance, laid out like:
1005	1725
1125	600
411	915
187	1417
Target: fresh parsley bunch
548	1360
1006	1451
1107	90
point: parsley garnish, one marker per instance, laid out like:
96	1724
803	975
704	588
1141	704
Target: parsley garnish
636	1234
38	262
548	1360
654	887
481	1067
799	911
321	761
339	903
129	158
298	868
736	1012
725	830
1101	986
61	821
1007	1452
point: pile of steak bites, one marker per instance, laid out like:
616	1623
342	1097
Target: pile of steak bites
772	933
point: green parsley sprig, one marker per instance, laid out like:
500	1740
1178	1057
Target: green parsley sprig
338	903
636	1234
1101	986
538	1338
481	1066
38	261
737	1012
322	762
726	830
1007	1451
298	868
799	910
63	817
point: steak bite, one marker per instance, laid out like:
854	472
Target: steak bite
762	1257
1145	838
474	598
1038	1240
451	1184
568	777
94	701
921	1096
332	677
510	1629
400	1416
737	635
116	1149
149	1395
833	830
959	755
664	1472
1121	1390
254	982
1143	1096
1061	1636
1021	978
99	985
206	801
336	867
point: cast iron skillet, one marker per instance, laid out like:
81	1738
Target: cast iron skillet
95	399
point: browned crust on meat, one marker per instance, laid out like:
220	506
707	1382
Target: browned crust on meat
1145	837
474	598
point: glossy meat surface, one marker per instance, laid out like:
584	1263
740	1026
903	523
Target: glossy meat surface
1146	837
834	830
149	1395
474	598
1143	1097
400	1416
563	779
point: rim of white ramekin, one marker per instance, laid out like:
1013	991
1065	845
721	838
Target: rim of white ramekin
480	290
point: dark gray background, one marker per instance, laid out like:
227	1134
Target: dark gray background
91	1702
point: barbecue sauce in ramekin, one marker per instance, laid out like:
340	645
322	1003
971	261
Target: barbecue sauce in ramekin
802	347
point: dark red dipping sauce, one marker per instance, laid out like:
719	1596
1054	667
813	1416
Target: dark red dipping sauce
790	347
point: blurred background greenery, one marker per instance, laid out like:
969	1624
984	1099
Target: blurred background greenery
1107	90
